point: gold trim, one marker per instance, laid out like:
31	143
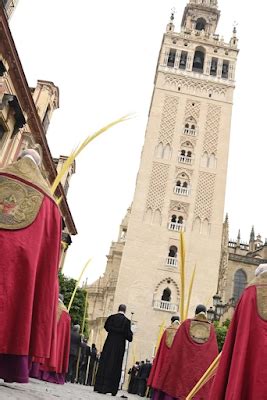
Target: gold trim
26	169
60	308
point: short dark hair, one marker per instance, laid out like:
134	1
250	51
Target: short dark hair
175	318
200	308
122	307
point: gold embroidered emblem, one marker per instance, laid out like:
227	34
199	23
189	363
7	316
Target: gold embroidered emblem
19	204
199	330
261	287
170	334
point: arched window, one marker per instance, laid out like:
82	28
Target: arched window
166	295
199	58
185	184
204	160
178	183
148	216
201	24
167	152
212	161
240	282
174	218
186	126
183	153
157	218
173	251
180	220
189	154
159	150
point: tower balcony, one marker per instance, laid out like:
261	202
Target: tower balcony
176	226
185	160
190	132
165	306
181	191
171	261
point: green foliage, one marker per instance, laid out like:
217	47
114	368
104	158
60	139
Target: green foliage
221	331
67	286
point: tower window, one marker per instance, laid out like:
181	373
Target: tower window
240	282
171	58
199	58
201	24
214	66
166	295
183	60
173	251
225	69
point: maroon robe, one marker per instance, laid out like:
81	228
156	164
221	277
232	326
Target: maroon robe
242	371
28	269
186	363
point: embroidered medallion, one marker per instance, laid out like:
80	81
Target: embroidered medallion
19	204
199	331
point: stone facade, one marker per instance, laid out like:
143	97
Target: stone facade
182	176
239	260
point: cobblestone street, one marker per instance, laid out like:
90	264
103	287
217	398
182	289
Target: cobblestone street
38	390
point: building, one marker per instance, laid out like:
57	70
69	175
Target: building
182	176
239	260
9	6
24	119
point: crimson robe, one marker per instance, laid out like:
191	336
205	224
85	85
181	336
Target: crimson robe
186	363
242	371
162	356
28	268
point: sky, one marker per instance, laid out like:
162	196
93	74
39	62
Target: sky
102	55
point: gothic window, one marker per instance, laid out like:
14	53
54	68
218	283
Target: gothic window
201	24
205	227
205	160
183	60
199	58
189	154
166	295
190	127
225	69
180	220
159	150
148	216
167	152
178	183
185	185
212	161
173	251
214	66
183	153
171	58
173	218
240	282
157	218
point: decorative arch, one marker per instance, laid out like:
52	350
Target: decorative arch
168	281
212	161
199	59
201	24
205	227
197	225
240	282
167	151
148	215
159	150
205	160
157	217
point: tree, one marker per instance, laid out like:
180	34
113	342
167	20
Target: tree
67	286
221	332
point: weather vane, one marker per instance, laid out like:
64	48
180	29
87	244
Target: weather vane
173	11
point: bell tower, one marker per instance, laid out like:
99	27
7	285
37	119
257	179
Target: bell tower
182	175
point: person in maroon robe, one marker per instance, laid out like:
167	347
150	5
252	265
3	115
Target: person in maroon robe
193	350
163	351
30	236
242	371
55	368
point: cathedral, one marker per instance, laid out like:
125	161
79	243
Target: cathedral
180	185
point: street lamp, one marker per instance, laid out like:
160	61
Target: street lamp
216	312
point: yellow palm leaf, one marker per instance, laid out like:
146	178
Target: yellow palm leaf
78	150
190	291
78	282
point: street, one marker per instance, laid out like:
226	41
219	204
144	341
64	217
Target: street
39	390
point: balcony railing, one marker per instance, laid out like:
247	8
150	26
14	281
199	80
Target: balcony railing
182	191
165	306
185	160
171	261
190	132
175	226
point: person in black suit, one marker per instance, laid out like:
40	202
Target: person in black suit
110	363
75	343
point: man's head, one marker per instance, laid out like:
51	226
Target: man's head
93	346
85	340
76	328
200	309
175	318
122	308
262	269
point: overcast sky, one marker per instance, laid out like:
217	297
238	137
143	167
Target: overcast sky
102	54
